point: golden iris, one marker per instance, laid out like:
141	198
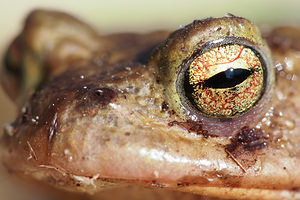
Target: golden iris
226	81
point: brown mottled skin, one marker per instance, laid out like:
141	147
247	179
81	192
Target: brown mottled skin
106	113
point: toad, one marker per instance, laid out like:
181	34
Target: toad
209	109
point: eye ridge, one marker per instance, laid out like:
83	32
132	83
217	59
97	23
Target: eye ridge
227	79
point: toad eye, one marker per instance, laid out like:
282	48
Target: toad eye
225	81
218	72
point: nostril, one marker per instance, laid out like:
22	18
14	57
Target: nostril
92	98
105	95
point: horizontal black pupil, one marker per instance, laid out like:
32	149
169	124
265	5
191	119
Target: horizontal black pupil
227	79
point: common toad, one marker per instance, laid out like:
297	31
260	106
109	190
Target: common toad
132	108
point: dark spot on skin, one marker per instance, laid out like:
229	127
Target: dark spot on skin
164	106
251	139
245	146
78	185
220	28
191	126
127	133
284	168
171	112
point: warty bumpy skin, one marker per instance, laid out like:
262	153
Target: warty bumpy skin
104	111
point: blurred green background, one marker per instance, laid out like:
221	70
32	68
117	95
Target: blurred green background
130	16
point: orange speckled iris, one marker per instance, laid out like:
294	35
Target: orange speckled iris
226	102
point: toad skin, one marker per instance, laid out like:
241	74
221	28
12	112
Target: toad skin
105	112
